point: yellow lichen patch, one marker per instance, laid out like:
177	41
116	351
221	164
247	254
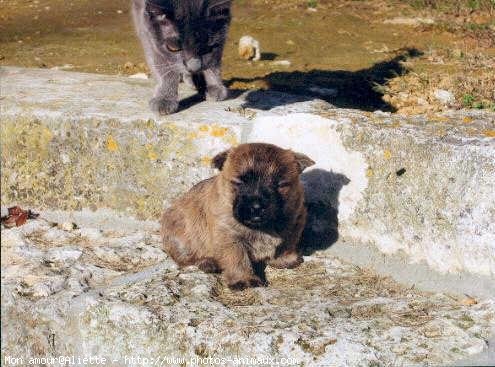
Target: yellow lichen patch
387	154
192	135
489	133
390	125
369	172
151	152
37	167
467	120
441	133
28	141
472	132
204	128
112	145
174	128
205	161
46	135
218	131
438	118
231	140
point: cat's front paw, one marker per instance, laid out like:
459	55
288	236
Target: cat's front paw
216	93
164	106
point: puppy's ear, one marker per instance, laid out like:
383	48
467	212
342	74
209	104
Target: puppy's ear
218	160
303	161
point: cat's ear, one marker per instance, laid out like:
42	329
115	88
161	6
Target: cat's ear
219	2
218	160
160	3
219	7
162	6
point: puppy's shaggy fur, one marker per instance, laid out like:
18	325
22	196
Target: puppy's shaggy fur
249	215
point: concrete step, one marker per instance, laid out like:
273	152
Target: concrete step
409	197
417	187
105	289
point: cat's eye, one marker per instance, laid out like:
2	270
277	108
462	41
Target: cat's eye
162	18
173	47
220	11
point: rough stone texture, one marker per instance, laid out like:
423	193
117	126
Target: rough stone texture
73	141
405	185
91	291
420	185
418	189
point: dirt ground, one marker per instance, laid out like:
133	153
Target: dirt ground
390	55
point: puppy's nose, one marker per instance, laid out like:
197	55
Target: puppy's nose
256	209
193	65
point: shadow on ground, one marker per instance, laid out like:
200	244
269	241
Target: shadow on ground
362	89
321	189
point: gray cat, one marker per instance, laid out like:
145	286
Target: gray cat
183	39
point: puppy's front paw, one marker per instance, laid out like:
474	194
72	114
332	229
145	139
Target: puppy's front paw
216	93
288	261
209	265
247	283
163	106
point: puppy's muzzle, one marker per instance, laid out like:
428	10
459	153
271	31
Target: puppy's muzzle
252	210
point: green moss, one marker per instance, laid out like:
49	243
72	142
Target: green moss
71	165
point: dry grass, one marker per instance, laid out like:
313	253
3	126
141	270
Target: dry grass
455	6
348	293
229	298
470	79
312	278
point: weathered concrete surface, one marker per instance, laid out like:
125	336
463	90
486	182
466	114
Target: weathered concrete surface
108	290
403	188
421	186
74	140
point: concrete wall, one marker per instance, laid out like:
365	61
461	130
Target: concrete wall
418	187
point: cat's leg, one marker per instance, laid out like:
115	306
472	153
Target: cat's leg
215	90
163	67
166	96
187	78
195	81
166	72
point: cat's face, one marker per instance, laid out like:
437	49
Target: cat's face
193	30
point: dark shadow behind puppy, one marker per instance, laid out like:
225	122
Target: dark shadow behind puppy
249	215
321	196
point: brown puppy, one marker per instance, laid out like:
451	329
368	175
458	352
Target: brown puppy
250	214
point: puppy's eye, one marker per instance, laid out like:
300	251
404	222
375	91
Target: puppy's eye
283	184
236	182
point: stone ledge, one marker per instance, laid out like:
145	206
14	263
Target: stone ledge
110	291
420	185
